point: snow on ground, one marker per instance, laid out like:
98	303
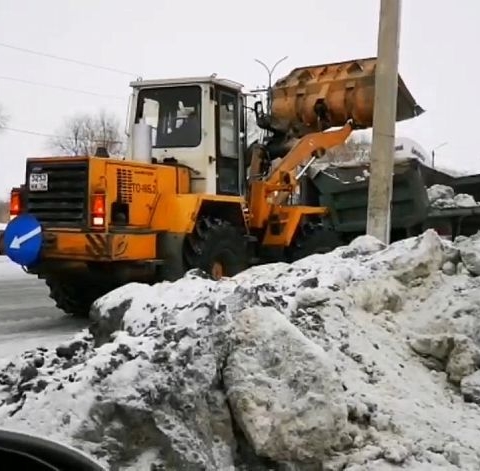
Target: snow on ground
11	270
366	358
13	345
28	317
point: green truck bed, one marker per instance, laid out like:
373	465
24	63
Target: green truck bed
344	190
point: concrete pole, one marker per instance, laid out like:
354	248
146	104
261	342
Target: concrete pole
384	119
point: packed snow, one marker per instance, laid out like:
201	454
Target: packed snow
10	270
365	358
443	196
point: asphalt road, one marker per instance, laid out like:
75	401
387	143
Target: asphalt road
28	317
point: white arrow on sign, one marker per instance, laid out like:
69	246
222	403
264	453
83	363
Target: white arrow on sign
18	241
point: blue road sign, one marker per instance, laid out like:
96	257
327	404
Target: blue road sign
23	240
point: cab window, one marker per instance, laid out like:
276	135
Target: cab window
174	114
228	125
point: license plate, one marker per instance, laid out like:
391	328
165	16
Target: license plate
38	182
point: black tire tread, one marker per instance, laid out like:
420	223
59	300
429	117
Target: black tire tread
311	238
208	237
73	299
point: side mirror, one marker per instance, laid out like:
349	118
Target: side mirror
258	108
263	121
24	451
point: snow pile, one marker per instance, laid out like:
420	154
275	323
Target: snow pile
443	196
329	166
366	358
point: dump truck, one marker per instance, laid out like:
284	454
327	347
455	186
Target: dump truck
190	192
343	188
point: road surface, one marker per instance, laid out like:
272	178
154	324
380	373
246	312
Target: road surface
28	317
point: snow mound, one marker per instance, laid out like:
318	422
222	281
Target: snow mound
365	358
443	196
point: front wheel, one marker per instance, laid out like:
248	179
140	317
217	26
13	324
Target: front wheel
216	247
311	238
74	298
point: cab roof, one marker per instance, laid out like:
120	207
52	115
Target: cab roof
210	79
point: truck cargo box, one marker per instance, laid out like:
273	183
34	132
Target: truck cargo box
344	190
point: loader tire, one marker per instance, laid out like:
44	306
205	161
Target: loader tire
73	299
311	238
216	247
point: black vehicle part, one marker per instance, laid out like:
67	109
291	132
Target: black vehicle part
216	247
74	296
311	237
24	451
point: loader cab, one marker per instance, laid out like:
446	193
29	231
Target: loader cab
197	122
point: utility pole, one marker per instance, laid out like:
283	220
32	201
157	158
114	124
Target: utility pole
384	119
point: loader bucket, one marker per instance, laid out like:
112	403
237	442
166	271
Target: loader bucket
315	98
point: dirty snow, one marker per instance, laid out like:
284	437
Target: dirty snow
198	374
443	196
322	165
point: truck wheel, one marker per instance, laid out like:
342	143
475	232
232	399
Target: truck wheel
72	298
311	237
216	247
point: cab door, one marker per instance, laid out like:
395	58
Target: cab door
227	142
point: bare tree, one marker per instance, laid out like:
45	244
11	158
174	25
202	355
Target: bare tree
4	204
4	210
82	134
3	118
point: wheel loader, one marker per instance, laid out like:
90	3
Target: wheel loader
189	192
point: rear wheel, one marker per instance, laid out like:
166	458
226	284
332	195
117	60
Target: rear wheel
311	237
216	247
74	298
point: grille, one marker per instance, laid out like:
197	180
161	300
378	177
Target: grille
124	185
64	204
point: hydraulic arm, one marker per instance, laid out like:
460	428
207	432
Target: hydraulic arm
263	194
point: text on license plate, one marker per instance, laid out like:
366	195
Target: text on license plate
38	182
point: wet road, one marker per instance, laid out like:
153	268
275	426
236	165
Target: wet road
28	317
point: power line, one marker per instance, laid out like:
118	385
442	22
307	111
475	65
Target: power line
75	90
25	131
36	133
67	59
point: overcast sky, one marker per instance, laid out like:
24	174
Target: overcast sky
168	38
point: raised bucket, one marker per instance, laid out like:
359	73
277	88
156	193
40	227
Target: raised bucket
314	98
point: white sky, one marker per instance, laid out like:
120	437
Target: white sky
168	38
